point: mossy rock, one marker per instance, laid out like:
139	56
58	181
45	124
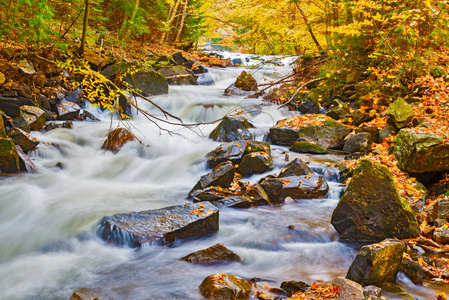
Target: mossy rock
149	82
9	158
438	71
307	147
338	110
364	211
400	113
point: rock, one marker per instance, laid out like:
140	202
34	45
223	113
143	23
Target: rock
211	194
234	202
117	139
291	287
441	235
360	142
87	116
338	110
217	253
232	129
86	294
10	105
26	67
25	162
413	270
372	290
438	209
177	75
225	287
295	168
394	291
22	139
386	132
344	172
418	153
179	58
53	125
255	163
364	211
76	97
372	130
160	226
149	82
30	118
2	78
235	91
222	175
377	263
359	117
399	113
273	187
307	147
234	151
67	110
304	187
307	106
257	195
319	129
9	158
353	77
246	82
350	290
95	60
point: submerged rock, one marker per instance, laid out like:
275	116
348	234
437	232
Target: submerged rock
232	129
217	253
224	286
117	139
418	153
291	287
160	226
413	270
377	263
25	162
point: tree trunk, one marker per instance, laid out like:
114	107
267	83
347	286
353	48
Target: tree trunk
169	21
124	31
309	27
83	38
184	11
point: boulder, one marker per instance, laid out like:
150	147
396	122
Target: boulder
307	147
318	128
94	59
438	210
386	132
255	163
217	253
179	58
359	117
232	128
350	290
67	110
160	226
338	110
234	202
273	187
295	168
22	139
418	153
256	194
177	75
117	139
26	67
307	106
364	211
372	130
76	97
360	142
211	194
30	118
224	286
292	287
304	187
413	270
399	113
246	82
149	82
441	235
25	162
222	175
9	158
377	263
234	151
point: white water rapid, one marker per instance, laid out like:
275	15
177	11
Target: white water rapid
48	245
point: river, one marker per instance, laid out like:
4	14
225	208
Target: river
48	245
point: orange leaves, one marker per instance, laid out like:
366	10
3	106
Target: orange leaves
296	122
318	291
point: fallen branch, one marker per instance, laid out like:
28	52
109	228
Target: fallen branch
300	88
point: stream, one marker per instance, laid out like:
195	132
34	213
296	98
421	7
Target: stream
48	244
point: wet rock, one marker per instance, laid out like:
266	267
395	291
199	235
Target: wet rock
86	294
87	116
232	129
360	142
9	158
273	188
149	82
246	82
257	195
399	113
212	194
255	163
372	130
377	263
217	253
307	147
22	139
54	125
177	75
160	226
386	132
350	290
25	162
319	129
364	211
233	90
338	110
344	172
413	270
235	151
441	235
10	104
117	139
76	97
372	291
30	118
67	110
307	106
394	291
234	202
224	286
295	168
418	153
222	175
304	187
292	287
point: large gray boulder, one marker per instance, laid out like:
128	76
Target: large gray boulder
246	82
418	153
160	226
360	142
364	213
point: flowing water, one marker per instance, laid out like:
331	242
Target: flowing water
48	245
